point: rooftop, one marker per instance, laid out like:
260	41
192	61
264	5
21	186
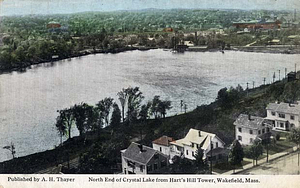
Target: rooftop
253	122
133	152
284	108
195	136
164	141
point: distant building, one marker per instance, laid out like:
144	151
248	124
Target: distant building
140	159
188	43
52	25
283	116
258	24
168	29
162	144
249	128
291	76
195	139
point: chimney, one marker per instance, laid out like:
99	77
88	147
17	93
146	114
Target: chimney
141	148
249	117
199	133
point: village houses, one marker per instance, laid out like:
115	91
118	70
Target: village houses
249	128
140	159
188	146
283	116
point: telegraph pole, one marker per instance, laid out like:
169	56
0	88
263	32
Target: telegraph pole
279	75
264	80
274	77
247	88
285	70
253	84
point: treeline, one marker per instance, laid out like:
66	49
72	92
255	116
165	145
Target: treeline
88	118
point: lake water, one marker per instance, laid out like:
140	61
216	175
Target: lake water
29	101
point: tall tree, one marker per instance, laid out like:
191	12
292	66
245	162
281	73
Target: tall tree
123	99
201	163
80	117
295	137
145	111
135	98
115	120
61	128
256	150
236	154
104	107
163	107
66	117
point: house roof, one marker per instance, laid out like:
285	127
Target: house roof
196	137
134	153
284	108
164	141
254	122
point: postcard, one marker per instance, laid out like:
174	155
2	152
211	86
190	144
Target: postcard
149	93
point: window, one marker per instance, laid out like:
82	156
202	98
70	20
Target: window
281	115
198	145
212	146
160	149
187	152
149	168
268	129
251	140
292	125
263	131
217	144
281	125
240	138
251	131
193	153
292	117
240	129
193	145
258	131
273	113
141	168
155	166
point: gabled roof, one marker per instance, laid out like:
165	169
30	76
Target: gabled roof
197	137
134	153
284	108
164	141
254	122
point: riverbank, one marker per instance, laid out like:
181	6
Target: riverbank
275	49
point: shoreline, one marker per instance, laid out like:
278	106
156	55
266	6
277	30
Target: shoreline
254	49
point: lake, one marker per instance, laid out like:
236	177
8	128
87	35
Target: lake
29	100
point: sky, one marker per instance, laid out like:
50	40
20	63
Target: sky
23	7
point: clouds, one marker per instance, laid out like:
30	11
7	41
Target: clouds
10	7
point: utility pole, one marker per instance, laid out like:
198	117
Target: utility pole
279	75
211	155
285	70
253	84
247	88
185	108
264	80
274	77
181	105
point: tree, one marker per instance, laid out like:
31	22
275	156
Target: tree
256	150
66	118
163	107
134	100
295	137
200	163
104	107
80	117
123	99
236	154
61	128
11	148
115	120
182	166
160	107
144	112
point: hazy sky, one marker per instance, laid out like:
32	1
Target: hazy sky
12	7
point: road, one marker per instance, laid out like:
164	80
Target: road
287	165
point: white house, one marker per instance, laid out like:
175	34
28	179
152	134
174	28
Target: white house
162	144
195	139
248	128
140	159
284	116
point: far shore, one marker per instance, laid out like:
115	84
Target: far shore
274	49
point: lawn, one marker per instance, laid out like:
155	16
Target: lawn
225	166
